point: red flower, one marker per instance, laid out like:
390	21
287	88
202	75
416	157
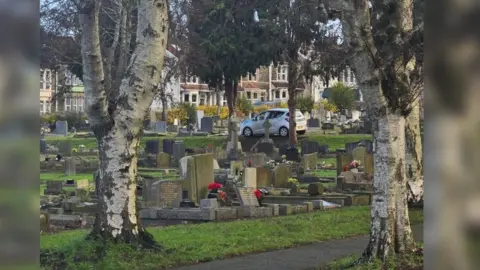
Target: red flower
249	163
214	186
209	146
222	196
346	168
258	193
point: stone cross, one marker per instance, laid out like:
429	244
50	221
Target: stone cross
267	125
234	137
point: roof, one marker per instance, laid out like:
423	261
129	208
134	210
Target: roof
280	84
255	85
188	86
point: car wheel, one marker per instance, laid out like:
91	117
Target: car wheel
283	132
301	132
247	132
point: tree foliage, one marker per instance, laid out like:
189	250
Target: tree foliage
244	105
342	96
305	103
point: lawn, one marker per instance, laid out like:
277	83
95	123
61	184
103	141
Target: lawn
189	244
333	141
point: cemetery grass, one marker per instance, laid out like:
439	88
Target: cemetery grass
333	141
409	261
190	244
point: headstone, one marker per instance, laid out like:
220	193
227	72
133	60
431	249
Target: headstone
368	145
368	166
309	161
256	159
283	149
183	166
250	177
342	160
264	177
265	147
172	128
309	147
168	146
70	168
246	196
65	148
200	115
61	128
207	124
163	160
358	154
43	146
208	203
350	146
313	122
315	189
233	146
152	147
323	149
281	174
267	125
178	150
199	176
164	194
327	126
54	188
160	127
236	167
292	154
215	165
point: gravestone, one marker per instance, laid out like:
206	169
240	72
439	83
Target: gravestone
183	166
313	122
267	125
200	115
236	167
178	150
70	168
65	148
164	194
265	147
54	188
246	196
281	173
350	146
309	161
207	124
368	145
292	154
172	128
358	154
368	166
234	146
152	147
168	146
328	126
160	127
199	176
342	160
163	160
43	146
250	177
309	147
264	177
61	128
215	165
283	149
323	149
257	159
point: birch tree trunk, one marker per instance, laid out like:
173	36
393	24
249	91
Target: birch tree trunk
118	131
415	149
390	230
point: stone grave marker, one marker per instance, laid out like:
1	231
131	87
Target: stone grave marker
313	122
70	168
168	146
43	146
54	188
178	150
61	128
250	177
342	160
265	147
172	128
163	160
183	166
309	147
236	167
368	145
215	165
323	149
257	159
200	115
328	126
281	174
264	177
246	196
160	127
292	154
267	125
368	166
309	161
65	148
207	124
164	194
234	146
358	154
350	146
152	147
199	175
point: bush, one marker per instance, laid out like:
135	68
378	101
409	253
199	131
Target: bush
185	112
244	105
212	111
305	104
329	106
342	96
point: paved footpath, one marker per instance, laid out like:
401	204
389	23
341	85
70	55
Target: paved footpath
298	258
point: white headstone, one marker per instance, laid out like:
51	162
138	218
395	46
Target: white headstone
183	166
215	165
200	115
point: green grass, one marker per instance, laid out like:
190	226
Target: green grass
189	244
407	262
333	141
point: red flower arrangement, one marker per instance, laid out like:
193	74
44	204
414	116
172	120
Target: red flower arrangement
222	195
258	193
346	168
249	163
214	185
210	146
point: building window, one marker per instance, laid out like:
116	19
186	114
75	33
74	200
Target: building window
277	94
67	104
284	94
251	77
80	104
194	98
255	95
42	79
42	108
48	79
282	73
249	95
186	98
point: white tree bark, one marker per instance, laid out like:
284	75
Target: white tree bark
390	230
118	132
415	149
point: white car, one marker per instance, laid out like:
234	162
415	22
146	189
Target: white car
278	118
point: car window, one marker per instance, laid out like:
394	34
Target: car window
274	114
261	116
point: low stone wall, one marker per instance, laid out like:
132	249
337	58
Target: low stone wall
339	199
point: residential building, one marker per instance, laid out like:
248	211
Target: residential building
194	91
47	86
269	83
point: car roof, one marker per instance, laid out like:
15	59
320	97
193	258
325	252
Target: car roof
281	110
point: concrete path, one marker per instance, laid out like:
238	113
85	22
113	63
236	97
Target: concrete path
299	258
